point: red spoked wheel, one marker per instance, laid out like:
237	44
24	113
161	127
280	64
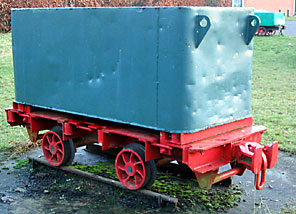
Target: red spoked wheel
131	169
261	31
271	32
56	151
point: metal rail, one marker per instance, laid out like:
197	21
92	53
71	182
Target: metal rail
159	197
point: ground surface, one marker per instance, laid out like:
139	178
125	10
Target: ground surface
45	190
291	28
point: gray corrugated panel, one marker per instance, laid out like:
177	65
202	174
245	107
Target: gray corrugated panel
135	65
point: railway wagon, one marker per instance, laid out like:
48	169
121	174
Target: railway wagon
270	22
158	82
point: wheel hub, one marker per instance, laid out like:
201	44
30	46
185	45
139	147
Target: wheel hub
130	170
52	149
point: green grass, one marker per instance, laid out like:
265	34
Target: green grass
274	89
8	135
273	101
290	18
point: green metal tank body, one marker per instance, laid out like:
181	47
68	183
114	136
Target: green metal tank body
154	67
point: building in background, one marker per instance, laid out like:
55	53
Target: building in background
286	6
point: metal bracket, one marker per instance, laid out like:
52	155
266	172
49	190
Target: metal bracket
252	26
202	26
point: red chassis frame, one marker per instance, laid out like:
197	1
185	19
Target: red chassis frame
204	151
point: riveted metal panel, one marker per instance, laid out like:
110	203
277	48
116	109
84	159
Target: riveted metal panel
142	66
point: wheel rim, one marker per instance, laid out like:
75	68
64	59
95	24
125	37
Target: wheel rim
53	148
130	169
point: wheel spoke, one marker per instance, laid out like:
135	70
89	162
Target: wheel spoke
56	139
46	148
53	141
59	156
131	157
48	139
138	163
47	153
59	144
138	179
139	172
121	168
126	179
52	156
124	158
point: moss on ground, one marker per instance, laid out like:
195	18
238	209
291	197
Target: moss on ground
186	190
21	164
100	168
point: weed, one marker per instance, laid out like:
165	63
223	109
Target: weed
78	188
62	197
21	164
290	207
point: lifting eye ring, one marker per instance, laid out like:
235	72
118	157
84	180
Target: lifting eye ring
260	180
203	22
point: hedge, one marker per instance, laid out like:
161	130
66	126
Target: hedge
6	5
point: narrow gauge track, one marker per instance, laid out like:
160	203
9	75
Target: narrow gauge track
159	197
